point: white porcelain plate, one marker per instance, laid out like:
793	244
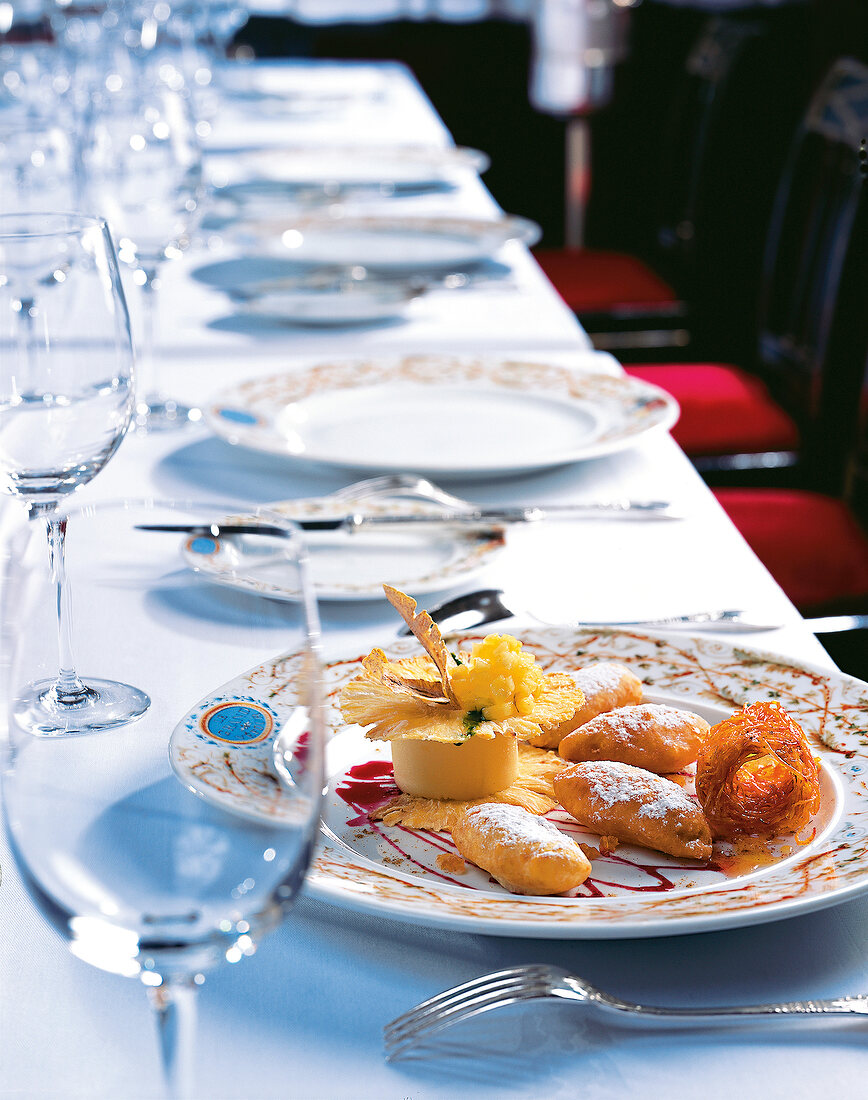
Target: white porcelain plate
348	566
371	301
303	80
358	165
441	415
395	872
384	242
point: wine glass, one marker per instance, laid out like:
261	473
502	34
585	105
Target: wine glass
161	849
37	163
142	169
66	396
31	76
85	32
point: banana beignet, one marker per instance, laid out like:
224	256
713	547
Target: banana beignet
605	686
652	736
636	806
525	853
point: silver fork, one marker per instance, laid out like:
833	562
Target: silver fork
400	485
535	983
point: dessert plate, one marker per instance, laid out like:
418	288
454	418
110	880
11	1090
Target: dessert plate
346	303
450	416
383	242
349	566
305	81
253	279
399	873
358	165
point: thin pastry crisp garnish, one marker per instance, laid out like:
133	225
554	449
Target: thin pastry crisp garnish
496	689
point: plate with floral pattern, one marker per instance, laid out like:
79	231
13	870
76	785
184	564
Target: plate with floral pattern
365	865
452	416
347	566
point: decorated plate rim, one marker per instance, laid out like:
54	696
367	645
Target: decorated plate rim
246	413
831	868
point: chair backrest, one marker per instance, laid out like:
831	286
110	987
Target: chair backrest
856	487
690	130
724	146
813	330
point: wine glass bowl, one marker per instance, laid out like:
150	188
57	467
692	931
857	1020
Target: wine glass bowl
66	368
144	870
142	169
37	164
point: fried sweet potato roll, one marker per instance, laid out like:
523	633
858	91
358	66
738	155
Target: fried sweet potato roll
650	735
605	686
525	853
634	805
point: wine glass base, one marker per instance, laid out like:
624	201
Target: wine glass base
105	704
162	414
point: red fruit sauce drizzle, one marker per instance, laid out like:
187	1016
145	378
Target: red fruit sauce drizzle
366	787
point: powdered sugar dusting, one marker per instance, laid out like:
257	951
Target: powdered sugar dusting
604	676
638	719
500	823
611	782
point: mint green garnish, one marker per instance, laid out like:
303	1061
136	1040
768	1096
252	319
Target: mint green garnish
472	720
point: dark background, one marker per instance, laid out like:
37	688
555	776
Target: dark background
477	75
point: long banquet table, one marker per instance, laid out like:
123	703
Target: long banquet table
304	1017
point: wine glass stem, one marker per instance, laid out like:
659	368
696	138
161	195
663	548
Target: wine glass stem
68	688
148	372
27	333
174	1003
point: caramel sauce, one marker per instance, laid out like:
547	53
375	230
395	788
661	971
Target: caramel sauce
746	854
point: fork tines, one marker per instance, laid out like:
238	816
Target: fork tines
503	987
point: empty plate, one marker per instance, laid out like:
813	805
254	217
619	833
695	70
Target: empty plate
441	415
384	242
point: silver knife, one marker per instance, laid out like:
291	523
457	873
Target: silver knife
472	517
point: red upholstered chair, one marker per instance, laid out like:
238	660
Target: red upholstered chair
713	140
621	302
796	405
816	547
813	545
592	281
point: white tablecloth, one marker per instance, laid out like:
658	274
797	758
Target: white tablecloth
303	1018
